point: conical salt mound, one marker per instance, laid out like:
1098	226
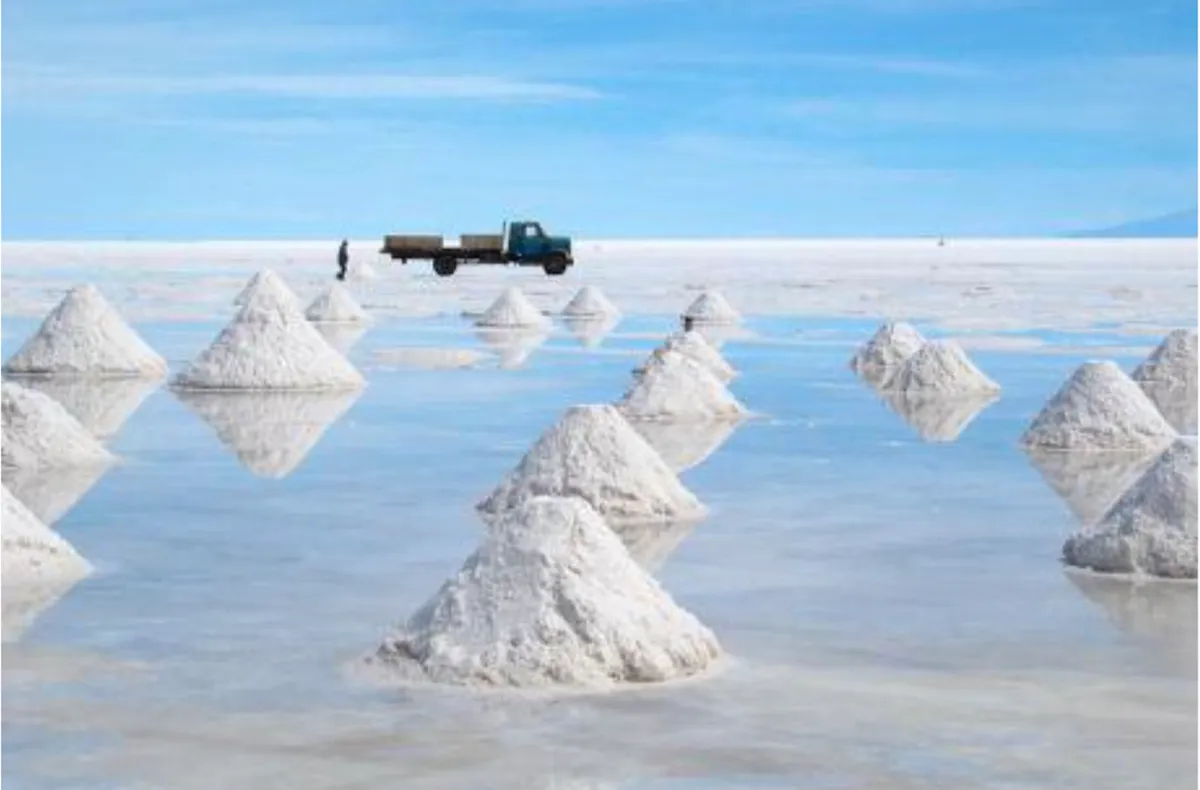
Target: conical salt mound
551	599
38	433
513	309
693	345
101	406
590	302
270	345
1168	377
267	281
335	305
85	337
1173	360
271	433
1099	408
595	454
678	388
1152	528
890	347
712	308
32	552
941	367
1090	482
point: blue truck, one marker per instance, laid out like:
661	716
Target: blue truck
519	243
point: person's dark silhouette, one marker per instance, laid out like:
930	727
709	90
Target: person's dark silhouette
343	259
687	323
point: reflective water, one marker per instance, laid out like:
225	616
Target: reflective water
893	606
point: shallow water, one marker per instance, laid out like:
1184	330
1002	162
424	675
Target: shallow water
894	608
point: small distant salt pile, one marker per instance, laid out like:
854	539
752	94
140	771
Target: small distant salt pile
937	418
38	433
266	281
1152	527
684	445
890	347
674	387
711	307
551	599
32	552
336	306
941	367
270	345
101	406
595	454
513	309
85	337
1090	482
1168	377
1099	408
271	433
694	345
590	302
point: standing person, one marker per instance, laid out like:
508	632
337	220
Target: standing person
343	259
687	323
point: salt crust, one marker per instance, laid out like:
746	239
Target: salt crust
32	552
271	433
674	387
84	336
891	345
335	305
270	345
593	453
513	309
551	599
1099	408
1151	529
940	367
711	307
39	433
590	302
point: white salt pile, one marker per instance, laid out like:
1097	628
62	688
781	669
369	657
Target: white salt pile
271	433
695	346
428	358
890	347
32	552
674	387
937	418
684	445
39	433
270	345
513	309
85	337
590	302
102	406
711	307
1152	528
1168	377
1090	482
1099	408
940	367
595	454
266	281
335	305
551	599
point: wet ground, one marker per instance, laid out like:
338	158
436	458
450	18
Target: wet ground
886	583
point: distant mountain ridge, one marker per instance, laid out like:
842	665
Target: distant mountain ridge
1176	225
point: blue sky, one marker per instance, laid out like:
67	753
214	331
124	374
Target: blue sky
181	119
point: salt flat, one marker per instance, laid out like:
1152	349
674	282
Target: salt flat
894	608
1141	285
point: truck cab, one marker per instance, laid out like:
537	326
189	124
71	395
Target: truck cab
527	242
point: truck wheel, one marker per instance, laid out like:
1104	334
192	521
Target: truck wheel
444	267
555	265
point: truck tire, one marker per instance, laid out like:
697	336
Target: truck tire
444	267
555	265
